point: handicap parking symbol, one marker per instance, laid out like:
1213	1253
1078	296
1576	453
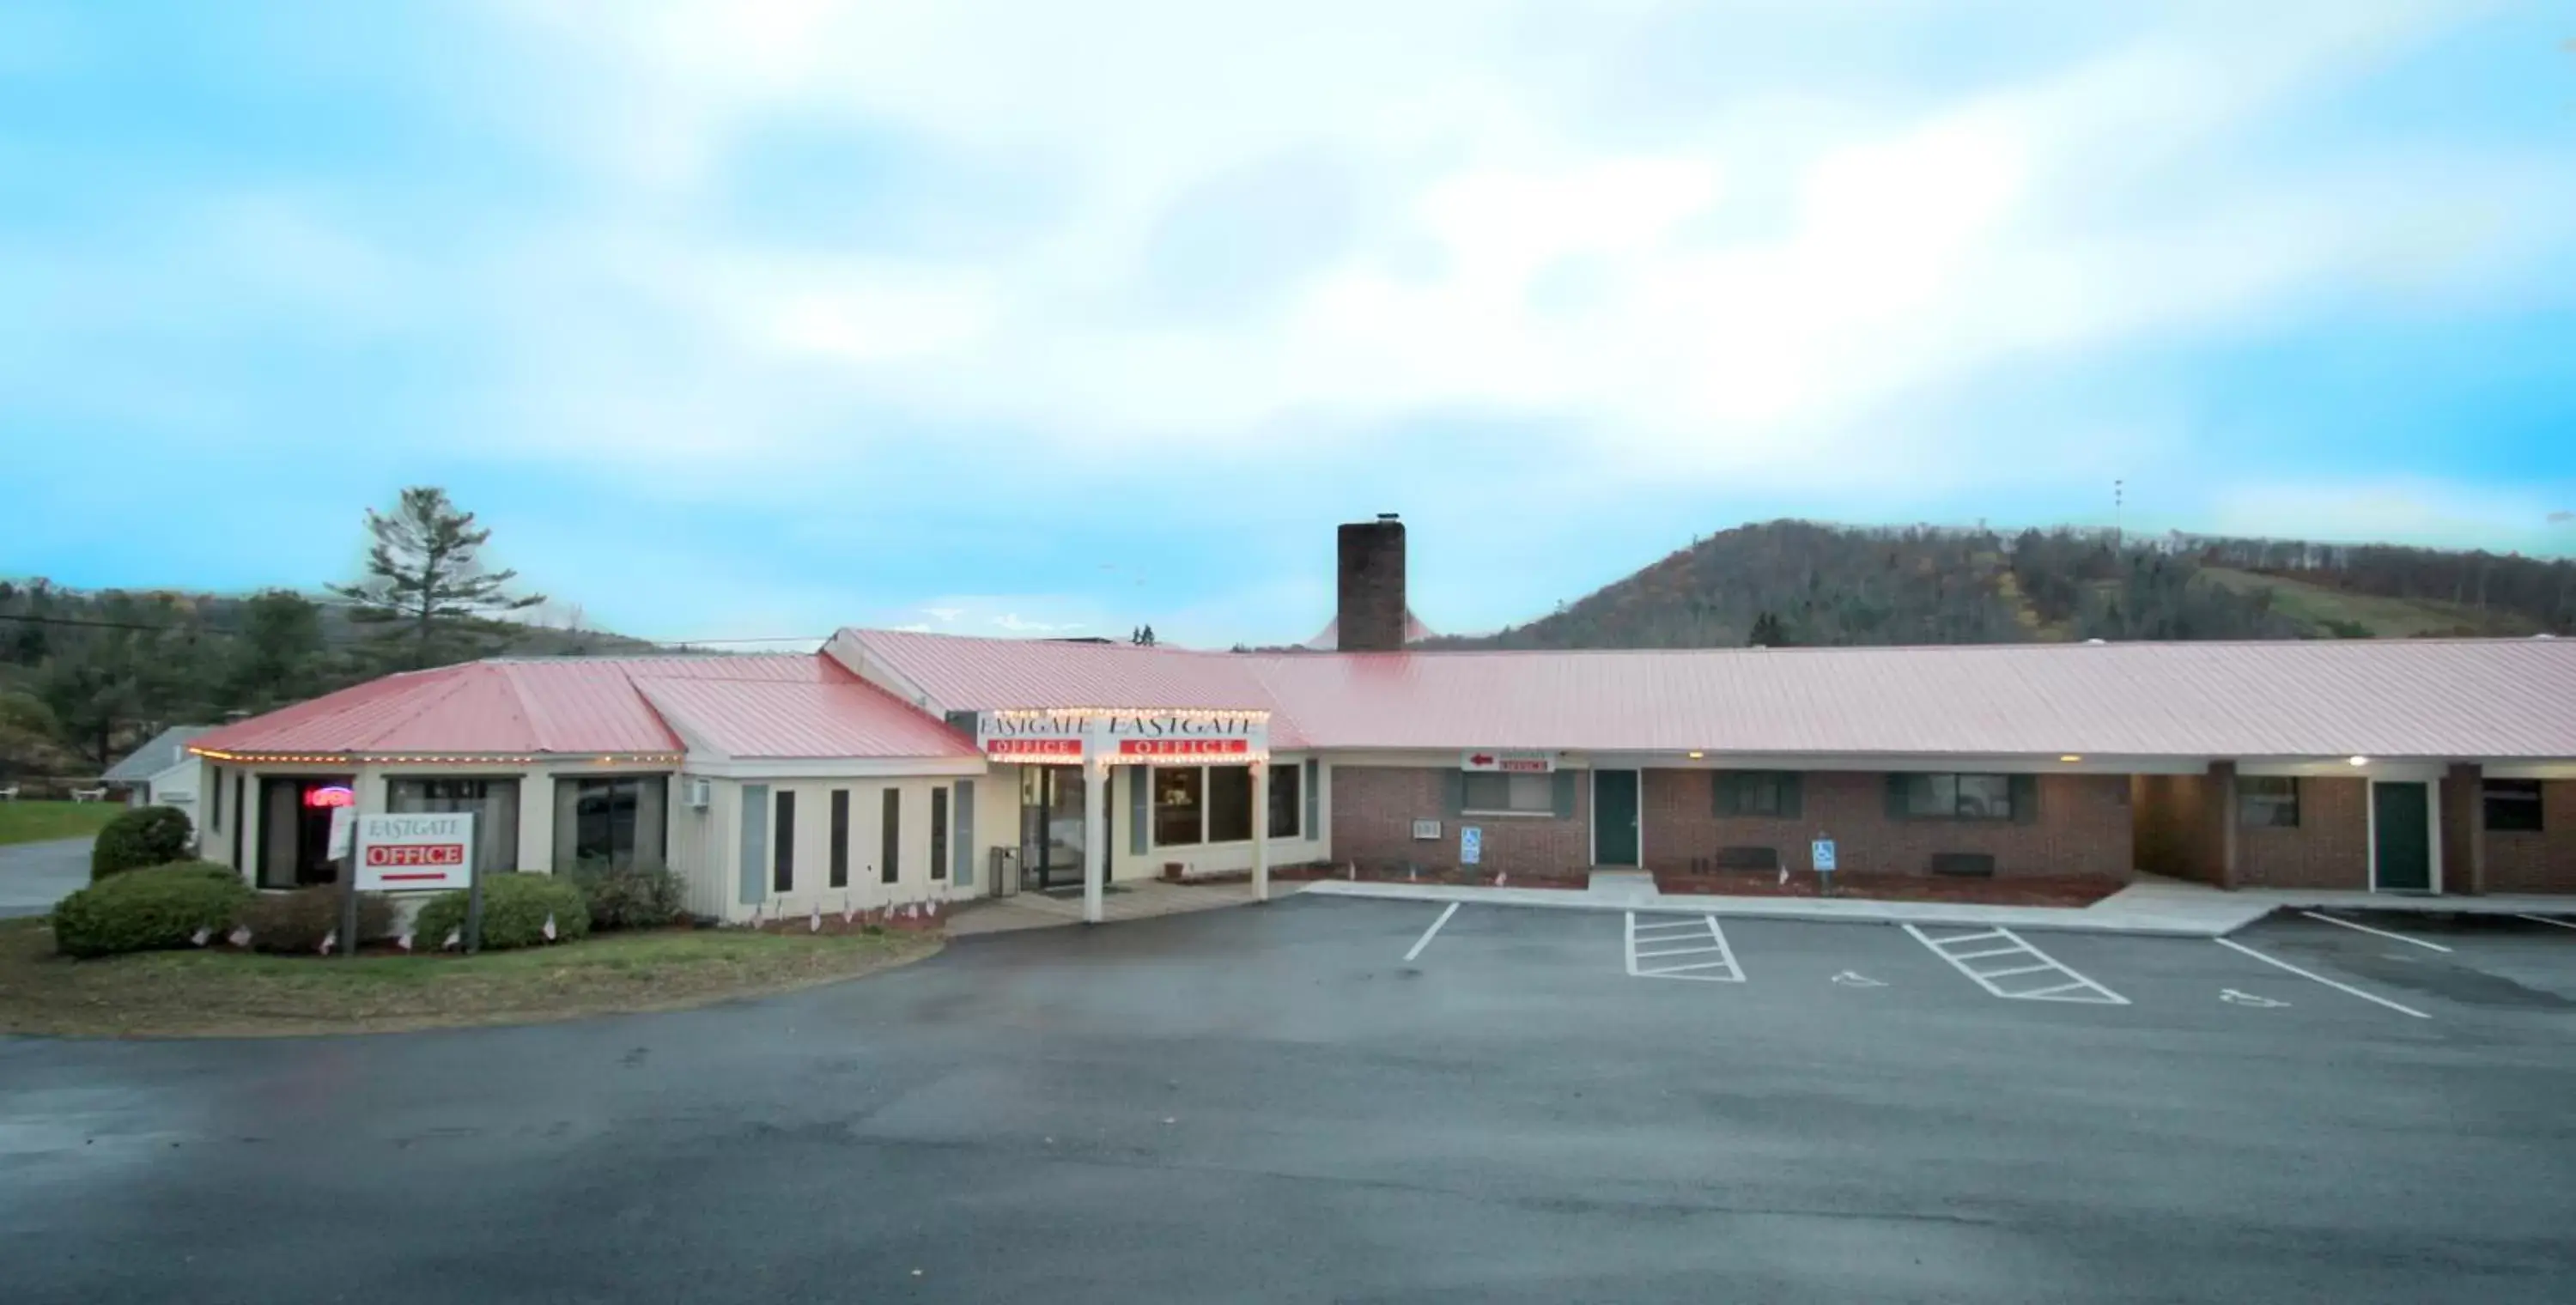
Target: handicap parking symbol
2234	998
1856	979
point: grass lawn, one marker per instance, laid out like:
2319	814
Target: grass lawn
37	822
227	993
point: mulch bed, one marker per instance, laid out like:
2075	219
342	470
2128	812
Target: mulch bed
2034	890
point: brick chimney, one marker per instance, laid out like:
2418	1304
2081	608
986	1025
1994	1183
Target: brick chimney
1369	610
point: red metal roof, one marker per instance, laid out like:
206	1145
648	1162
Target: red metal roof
2468	698
576	706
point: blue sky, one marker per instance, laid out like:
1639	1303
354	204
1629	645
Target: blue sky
757	317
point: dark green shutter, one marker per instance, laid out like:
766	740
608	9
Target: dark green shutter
1793	797
1726	789
1453	791
1140	810
1896	797
2025	799
1565	795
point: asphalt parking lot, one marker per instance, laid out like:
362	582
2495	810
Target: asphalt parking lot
1333	1100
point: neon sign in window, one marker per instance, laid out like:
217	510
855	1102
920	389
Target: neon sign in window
331	795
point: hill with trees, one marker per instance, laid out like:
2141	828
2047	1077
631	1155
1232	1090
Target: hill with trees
1797	582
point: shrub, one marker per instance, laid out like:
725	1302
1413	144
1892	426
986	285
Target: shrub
149	909
297	922
634	897
145	836
515	907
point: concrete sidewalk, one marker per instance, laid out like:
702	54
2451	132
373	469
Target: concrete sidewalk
1131	900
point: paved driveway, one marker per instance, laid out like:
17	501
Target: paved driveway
1323	1100
34	876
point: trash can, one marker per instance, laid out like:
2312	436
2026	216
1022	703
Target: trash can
1005	868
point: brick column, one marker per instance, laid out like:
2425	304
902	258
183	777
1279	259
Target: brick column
2464	829
2218	823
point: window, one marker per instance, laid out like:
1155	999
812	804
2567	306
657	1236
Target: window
892	870
782	845
494	804
1287	803
1229	804
2513	806
939	832
1952	797
612	823
840	838
1179	804
1757	793
1500	794
2267	802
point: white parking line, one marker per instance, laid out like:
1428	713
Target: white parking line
1686	937
2429	946
2339	987
2078	988
2542	919
1425	939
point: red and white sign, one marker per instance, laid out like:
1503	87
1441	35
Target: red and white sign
1516	763
402	853
1184	747
1033	749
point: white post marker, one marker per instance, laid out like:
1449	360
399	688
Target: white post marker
2363	928
1427	934
2234	945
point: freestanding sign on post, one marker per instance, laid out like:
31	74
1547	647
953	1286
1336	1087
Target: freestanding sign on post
408	853
1471	844
1822	852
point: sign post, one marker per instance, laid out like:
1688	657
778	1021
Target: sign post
344	823
1822	852
409	853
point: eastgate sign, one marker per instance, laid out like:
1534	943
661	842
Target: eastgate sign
406	852
1131	737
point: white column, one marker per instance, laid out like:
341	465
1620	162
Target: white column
1095	837
1261	831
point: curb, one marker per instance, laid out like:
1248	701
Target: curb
1852	911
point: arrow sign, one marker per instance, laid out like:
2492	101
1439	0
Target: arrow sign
2235	998
1481	759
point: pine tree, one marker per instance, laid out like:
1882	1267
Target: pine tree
1144	637
423	581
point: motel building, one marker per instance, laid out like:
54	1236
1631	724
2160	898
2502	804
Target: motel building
894	769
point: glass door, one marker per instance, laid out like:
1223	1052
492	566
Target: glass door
1052	839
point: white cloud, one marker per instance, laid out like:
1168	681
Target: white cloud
1707	302
2396	511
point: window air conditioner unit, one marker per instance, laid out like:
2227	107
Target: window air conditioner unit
697	792
1426	830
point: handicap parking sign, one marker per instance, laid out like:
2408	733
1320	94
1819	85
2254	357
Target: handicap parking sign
1471	844
1823	852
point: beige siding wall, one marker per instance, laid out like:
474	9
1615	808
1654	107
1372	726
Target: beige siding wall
809	885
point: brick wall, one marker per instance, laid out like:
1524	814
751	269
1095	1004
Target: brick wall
2543	862
1374	808
2330	848
2084	826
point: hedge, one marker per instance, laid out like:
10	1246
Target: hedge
515	909
150	909
297	922
144	836
634	897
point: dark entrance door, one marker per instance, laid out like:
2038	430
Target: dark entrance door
1052	836
2403	838
295	829
1614	817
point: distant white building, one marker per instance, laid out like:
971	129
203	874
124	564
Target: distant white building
163	772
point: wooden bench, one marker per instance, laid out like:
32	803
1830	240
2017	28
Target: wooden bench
1975	865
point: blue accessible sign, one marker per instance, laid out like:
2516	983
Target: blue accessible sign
1823	852
1471	844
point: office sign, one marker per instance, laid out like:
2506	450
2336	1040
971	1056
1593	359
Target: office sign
1133	738
410	852
1517	763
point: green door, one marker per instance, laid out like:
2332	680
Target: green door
1614	817
2403	837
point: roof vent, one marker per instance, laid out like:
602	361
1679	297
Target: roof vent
2544	635
2096	641
1386	516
